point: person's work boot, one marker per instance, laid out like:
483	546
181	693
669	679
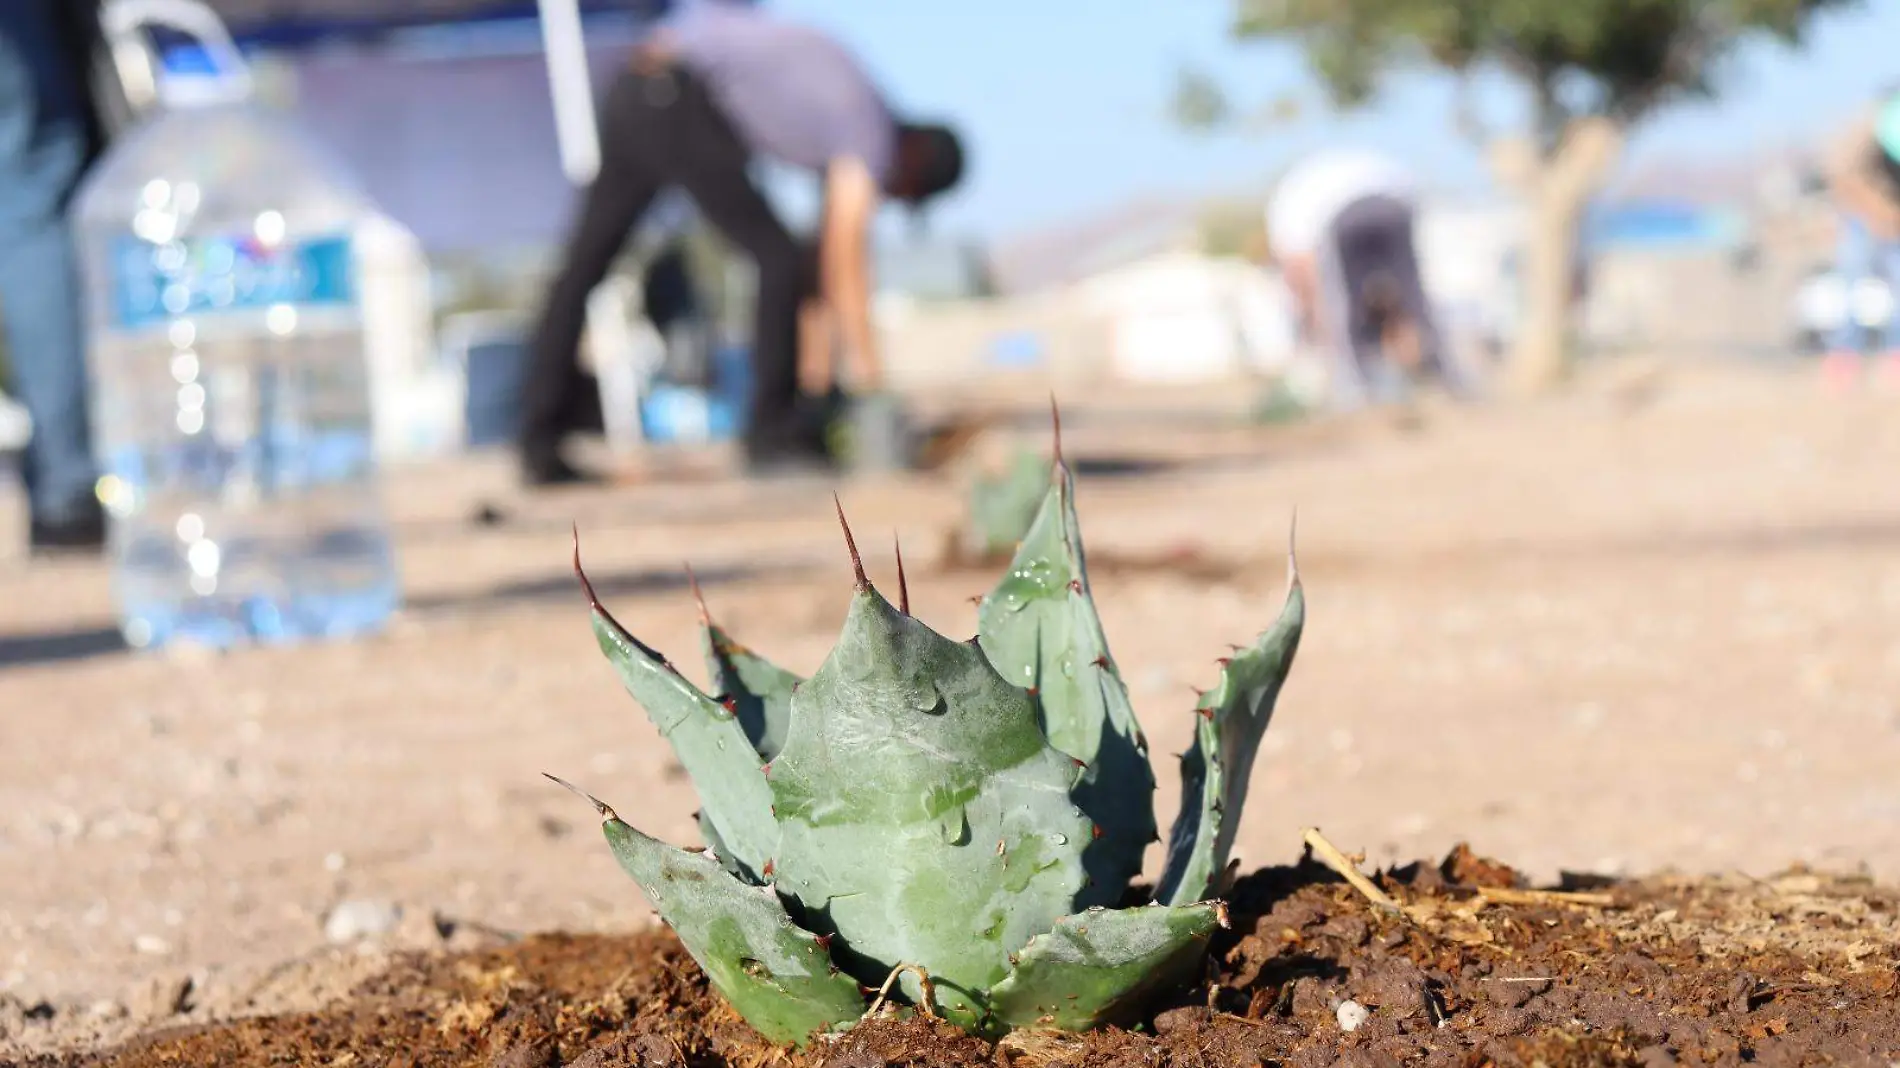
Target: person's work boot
546	468
796	449
789	464
80	531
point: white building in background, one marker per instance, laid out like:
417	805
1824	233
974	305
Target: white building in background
1180	316
1177	315
1467	252
1129	298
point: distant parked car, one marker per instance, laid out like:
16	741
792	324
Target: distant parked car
1824	300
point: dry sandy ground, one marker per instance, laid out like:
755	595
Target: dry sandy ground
1613	632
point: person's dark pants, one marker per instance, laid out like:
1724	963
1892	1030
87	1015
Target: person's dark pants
43	154
656	131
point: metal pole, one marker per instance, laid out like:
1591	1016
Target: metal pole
578	137
574	124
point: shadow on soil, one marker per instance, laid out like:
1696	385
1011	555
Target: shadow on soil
1742	541
79	644
59	647
608	584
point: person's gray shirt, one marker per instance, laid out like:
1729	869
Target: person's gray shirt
794	93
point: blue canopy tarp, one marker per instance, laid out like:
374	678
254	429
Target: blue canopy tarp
291	24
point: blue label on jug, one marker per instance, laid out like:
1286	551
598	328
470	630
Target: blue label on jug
196	276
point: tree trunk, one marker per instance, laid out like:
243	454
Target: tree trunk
1566	176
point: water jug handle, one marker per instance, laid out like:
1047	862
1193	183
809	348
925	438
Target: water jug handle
123	20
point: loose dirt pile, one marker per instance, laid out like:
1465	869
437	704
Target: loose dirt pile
1800	969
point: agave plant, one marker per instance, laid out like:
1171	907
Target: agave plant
962	817
1001	507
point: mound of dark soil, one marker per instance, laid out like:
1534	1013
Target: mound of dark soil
1800	969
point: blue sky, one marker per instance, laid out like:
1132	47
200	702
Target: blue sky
1062	101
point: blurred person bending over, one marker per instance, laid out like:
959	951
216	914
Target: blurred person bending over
1864	179
48	134
1339	228
712	87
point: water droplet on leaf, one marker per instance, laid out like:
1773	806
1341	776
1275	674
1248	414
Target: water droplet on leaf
955	827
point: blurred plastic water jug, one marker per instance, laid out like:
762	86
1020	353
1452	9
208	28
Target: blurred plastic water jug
232	402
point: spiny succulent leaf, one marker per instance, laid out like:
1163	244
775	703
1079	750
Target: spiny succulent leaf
1040	629
1100	966
760	689
923	817
709	742
1216	768
1002	508
718	848
777	975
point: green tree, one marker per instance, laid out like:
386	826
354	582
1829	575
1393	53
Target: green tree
1591	68
1230	228
1198	102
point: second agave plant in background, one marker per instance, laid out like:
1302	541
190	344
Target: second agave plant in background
964	816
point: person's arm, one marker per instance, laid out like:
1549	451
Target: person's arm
1302	281
1852	188
1855	191
844	264
817	348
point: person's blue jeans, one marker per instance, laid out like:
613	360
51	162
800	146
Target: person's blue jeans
1858	256
42	156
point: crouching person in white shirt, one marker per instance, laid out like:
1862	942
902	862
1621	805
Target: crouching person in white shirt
1339	229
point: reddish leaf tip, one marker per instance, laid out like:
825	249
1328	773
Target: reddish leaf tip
587	585
600	806
903	585
1055	424
851	544
1292	550
580	572
699	597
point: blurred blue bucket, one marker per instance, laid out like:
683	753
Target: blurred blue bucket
495	367
680	415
